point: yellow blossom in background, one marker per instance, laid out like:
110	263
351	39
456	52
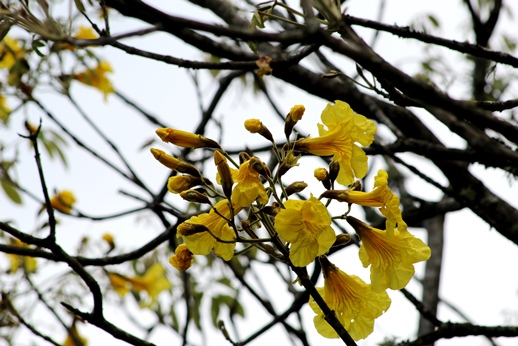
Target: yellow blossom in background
356	306
63	201
381	196
109	239
119	283
249	186
84	33
341	129
201	243
153	282
17	261
391	258
97	78
10	52
182	258
72	335
307	226
5	110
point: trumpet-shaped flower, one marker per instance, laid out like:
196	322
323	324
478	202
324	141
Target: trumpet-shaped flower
391	258
17	261
249	187
153	282
381	196
307	226
97	78
63	201
182	258
10	52
352	300
196	235
341	129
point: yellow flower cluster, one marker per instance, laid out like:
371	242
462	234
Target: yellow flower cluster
96	77
299	231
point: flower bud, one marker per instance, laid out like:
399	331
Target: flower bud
173	163
334	168
185	139
224	173
342	239
293	117
323	176
339	195
289	162
260	167
180	183
256	126
108	238
194	196
243	157
295	187
182	258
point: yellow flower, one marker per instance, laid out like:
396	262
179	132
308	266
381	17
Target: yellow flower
249	187
202	242
182	258
185	139
63	201
352	300
152	282
381	196
10	52
17	261
97	78
307	226
5	111
119	283
344	129
391	258
72	335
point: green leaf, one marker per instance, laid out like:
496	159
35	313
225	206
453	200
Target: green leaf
11	192
36	45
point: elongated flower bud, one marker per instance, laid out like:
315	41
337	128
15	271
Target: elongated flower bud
173	163
260	167
334	168
295	187
194	196
289	162
339	195
293	117
224	173
180	183
323	176
256	126
186	139
186	229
